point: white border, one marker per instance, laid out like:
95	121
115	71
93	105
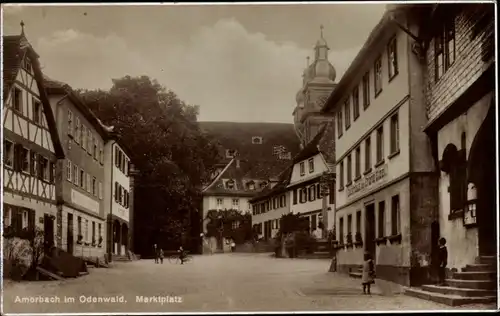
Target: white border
236	4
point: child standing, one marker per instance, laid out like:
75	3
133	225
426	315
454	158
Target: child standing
443	260
368	273
161	256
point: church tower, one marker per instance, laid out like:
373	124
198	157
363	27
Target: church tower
318	83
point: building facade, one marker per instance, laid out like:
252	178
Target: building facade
82	205
386	189
460	92
311	184
117	197
32	148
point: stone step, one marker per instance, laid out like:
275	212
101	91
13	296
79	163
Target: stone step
458	291
479	267
487	259
448	299
475	275
472	284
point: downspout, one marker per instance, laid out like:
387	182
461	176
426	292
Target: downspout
110	216
58	181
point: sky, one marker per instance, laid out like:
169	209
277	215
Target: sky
240	63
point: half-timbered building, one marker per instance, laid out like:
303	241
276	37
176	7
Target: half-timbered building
31	143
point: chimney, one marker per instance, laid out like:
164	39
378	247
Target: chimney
237	163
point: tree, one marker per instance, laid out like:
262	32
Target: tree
173	156
221	224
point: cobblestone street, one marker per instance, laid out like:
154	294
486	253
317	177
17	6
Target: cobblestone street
224	282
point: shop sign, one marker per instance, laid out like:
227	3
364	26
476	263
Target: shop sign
368	181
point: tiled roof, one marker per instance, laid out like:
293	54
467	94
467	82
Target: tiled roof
327	143
283	181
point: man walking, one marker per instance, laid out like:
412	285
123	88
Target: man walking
155	250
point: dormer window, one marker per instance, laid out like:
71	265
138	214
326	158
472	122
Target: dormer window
230	184
256	140
263	184
230	153
279	150
27	64
251	185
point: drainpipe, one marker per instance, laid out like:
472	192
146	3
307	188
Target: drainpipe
58	182
110	216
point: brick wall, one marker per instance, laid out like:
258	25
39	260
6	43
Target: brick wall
467	68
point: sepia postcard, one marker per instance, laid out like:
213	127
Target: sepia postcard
249	158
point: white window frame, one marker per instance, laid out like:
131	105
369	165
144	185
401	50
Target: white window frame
100	190
69	171
76	175
9	155
311	165
302	167
25	219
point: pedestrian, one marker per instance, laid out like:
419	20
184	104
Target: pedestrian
182	254
161	256
155	252
233	246
443	260
368	274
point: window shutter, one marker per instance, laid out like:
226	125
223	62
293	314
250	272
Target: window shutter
17	157
294	196
116	191
318	191
19	220
52	172
31	219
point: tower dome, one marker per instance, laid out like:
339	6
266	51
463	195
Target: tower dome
322	70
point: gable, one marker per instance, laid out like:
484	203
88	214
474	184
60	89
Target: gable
27	111
319	166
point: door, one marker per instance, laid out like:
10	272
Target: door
69	234
370	230
48	230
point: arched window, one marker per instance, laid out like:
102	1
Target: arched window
454	164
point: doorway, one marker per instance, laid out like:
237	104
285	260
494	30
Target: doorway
69	234
370	230
48	233
481	172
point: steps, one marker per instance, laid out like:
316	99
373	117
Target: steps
356	273
120	258
475	284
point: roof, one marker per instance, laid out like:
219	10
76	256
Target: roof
257	171
15	48
361	59
238	136
55	87
312	148
280	187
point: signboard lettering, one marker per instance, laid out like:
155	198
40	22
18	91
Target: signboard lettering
367	181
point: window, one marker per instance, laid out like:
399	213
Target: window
236	202
83	138
43	173
117	193
101	153
349	169
368	153
395	216
82	179
392	57
89	183
79	225
358	222
89	141
339	123
18	100
33	163
70	122
355	102
69	171
220	202
100	190
27	64
349	224
37	111
86	230
366	90
311	165
380	144
444	48
100	230
378	76
313	222
394	133
93	232
303	195
381	219
94	186
341	231
76	173
302	168
95	149
257	140
311	193
8	153
347	111
116	157
230	184
230	153
358	162
25	160
341	173
77	130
